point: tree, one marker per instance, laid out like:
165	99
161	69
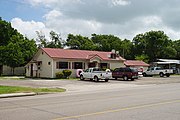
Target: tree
79	42
142	57
55	40
176	46
41	40
106	42
126	48
154	44
15	49
14	56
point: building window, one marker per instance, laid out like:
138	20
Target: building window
78	65
62	65
49	63
103	65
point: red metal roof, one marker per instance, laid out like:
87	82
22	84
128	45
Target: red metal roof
135	63
77	54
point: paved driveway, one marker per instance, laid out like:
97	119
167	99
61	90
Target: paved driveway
77	85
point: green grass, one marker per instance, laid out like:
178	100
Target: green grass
16	89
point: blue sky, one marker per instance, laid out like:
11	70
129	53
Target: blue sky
122	18
17	8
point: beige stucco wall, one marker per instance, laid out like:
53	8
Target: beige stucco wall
116	64
70	61
45	70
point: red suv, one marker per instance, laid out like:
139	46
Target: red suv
125	73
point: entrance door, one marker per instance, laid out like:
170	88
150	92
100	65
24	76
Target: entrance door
31	72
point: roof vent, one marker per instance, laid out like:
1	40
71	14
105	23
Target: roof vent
113	51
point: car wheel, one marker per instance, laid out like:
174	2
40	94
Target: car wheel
132	79
161	74
167	75
96	79
106	80
81	77
125	78
144	75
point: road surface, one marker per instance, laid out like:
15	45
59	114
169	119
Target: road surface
140	102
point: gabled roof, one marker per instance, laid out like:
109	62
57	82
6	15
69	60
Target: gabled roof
135	63
77	54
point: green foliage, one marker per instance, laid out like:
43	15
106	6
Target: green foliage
56	40
106	42
79	42
15	49
142	57
154	44
16	89
176	46
67	73
59	75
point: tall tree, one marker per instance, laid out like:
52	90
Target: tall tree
56	40
41	39
154	44
79	42
106	42
15	49
176	46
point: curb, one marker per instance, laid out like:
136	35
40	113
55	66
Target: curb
17	95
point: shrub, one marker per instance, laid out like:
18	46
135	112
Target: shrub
59	75
67	73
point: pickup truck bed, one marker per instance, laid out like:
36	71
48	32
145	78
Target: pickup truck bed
95	74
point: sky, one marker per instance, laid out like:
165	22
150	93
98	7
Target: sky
122	18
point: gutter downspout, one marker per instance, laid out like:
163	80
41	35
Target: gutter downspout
52	69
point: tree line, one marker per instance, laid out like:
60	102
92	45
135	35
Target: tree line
148	46
17	50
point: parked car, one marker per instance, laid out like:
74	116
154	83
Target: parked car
125	73
95	74
158	71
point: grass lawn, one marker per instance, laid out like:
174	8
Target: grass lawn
16	89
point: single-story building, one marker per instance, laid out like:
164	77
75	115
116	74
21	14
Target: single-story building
140	65
48	61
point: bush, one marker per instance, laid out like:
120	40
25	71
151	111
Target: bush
59	75
67	73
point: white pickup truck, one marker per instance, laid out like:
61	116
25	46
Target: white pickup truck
95	74
158	71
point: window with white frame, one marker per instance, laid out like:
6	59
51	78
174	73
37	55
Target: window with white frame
77	65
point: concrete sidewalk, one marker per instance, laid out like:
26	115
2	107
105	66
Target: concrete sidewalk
17	95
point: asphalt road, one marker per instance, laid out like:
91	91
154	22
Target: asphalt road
132	102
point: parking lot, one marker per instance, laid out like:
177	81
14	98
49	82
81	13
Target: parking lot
78	86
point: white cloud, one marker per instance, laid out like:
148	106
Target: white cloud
50	3
124	18
120	2
53	14
29	28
